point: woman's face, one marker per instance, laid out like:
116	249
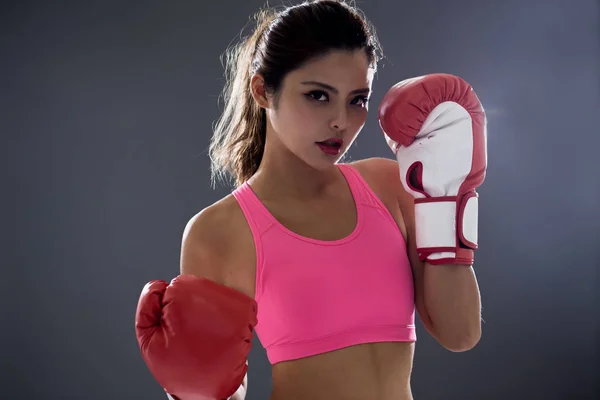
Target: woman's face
322	106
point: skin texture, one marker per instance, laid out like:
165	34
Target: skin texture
304	190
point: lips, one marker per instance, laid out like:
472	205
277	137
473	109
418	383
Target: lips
333	142
331	146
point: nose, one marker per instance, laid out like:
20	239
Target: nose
339	122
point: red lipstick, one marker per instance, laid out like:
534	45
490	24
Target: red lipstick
331	146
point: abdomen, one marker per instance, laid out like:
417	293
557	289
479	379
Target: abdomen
367	371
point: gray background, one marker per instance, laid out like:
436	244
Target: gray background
106	110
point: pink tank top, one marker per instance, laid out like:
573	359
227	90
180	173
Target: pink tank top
317	296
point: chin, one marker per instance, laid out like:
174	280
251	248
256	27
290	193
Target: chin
326	163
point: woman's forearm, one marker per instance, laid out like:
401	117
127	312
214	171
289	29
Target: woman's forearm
453	304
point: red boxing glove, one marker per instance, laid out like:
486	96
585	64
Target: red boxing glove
436	127
195	335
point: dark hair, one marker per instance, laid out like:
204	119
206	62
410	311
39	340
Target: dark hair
281	42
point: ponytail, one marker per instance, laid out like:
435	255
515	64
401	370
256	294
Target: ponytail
238	140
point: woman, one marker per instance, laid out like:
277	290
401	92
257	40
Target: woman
320	256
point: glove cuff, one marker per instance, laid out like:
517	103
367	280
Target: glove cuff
446	228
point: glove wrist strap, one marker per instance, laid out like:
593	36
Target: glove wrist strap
446	228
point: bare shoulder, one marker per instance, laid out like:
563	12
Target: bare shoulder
382	175
208	240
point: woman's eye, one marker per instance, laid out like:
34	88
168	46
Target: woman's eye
362	101
318	95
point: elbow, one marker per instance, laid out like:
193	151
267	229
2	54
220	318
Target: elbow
463	341
463	345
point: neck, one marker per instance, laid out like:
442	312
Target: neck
282	174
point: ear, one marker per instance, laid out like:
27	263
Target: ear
257	88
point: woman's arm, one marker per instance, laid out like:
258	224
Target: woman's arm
205	252
446	296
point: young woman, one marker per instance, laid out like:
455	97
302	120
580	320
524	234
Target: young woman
326	260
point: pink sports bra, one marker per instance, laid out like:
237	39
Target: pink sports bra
317	296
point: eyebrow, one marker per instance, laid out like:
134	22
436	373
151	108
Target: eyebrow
329	87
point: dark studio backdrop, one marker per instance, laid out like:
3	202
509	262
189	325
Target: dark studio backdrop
106	110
